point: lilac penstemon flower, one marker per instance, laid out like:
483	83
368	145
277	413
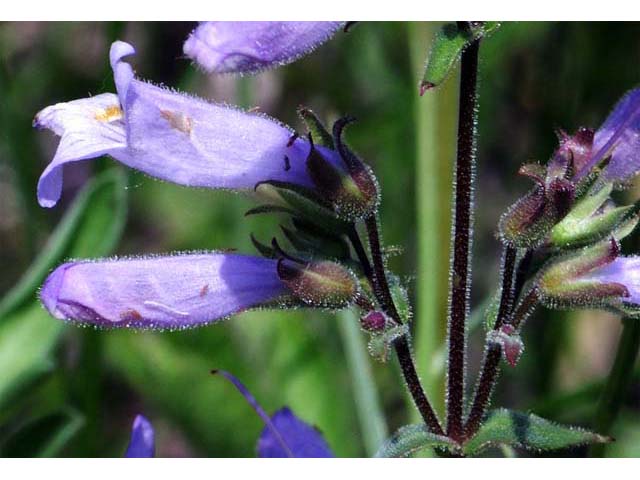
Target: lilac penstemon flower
188	290
284	435
142	442
249	47
173	137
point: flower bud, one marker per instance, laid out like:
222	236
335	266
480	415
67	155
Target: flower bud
353	193
374	321
510	343
322	284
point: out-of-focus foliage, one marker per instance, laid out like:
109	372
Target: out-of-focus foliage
534	77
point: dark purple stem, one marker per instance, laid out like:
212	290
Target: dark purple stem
378	279
493	352
462	238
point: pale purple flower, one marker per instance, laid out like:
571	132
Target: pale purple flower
142	443
249	47
164	292
619	137
284	434
172	136
624	271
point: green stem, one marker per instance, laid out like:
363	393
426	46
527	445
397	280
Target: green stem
618	382
370	415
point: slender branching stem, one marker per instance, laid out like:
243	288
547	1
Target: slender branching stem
460	281
493	352
378	279
617	385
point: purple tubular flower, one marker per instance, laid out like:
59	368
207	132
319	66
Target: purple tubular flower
171	136
249	47
168	292
142	443
284	434
619	136
303	440
624	271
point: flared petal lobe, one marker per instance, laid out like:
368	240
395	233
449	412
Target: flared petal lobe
619	136
89	128
302	440
170	292
172	136
142	443
249	47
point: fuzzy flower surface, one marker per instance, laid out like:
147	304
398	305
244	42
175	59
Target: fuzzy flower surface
250	47
165	292
171	136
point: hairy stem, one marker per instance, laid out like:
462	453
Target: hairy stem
380	285
618	383
460	281
493	352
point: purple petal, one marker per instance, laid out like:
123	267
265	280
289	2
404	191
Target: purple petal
619	136
89	128
142	443
303	440
284	434
178	291
249	47
172	136
623	270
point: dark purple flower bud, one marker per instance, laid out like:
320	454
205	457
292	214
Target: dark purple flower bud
172	136
323	284
374	321
618	137
142	443
169	292
510	343
249	47
284	435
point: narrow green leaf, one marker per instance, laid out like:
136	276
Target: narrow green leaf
44	436
528	431
27	339
91	227
410	439
447	48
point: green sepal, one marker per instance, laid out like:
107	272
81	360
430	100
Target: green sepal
446	49
527	431
316	128
302	203
326	246
380	343
400	299
410	439
582	225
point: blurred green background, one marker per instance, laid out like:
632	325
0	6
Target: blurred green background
74	392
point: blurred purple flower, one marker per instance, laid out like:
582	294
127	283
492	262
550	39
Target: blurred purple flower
165	292
624	271
172	136
619	137
249	47
284	434
142	443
